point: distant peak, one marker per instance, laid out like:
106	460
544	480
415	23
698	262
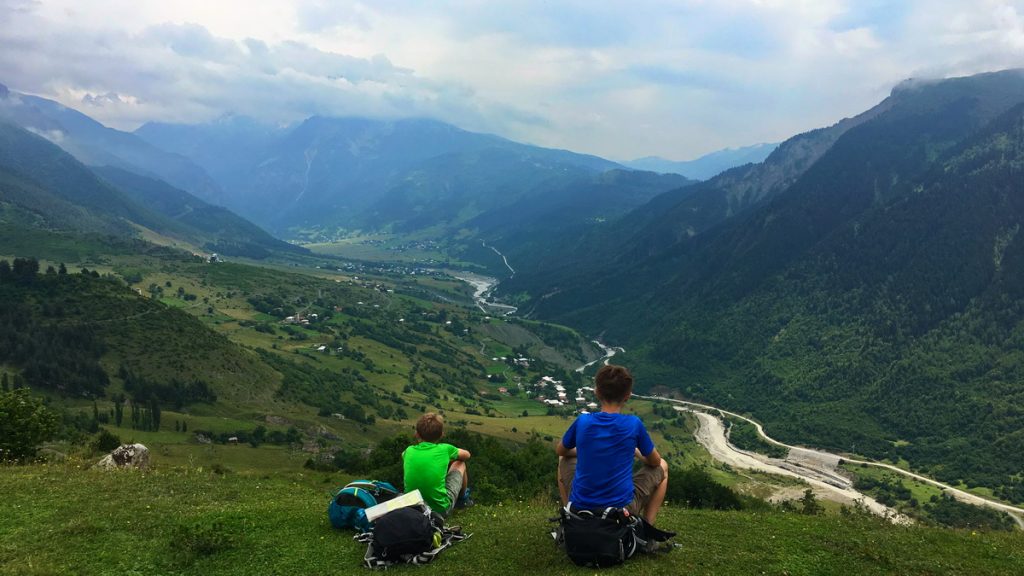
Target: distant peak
4	91
911	84
914	84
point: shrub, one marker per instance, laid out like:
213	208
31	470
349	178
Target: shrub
106	441
695	488
24	424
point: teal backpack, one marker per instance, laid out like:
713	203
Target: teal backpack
348	507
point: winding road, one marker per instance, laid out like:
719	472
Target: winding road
816	467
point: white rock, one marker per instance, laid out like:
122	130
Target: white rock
126	456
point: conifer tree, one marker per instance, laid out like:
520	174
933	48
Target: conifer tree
154	415
118	409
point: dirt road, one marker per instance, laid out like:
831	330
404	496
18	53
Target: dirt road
711	435
813	465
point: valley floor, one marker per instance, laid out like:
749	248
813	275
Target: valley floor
63	519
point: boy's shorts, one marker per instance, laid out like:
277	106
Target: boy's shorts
645	481
453	485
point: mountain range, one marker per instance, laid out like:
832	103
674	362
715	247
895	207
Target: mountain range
325	178
708	165
329	176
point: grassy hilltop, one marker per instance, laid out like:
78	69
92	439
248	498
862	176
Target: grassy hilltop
62	519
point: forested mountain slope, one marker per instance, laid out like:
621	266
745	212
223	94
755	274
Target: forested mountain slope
671	219
97	145
70	334
45	181
217	229
873	305
43	186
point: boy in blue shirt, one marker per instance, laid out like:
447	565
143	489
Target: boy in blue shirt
595	456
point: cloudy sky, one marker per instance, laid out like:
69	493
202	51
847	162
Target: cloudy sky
618	79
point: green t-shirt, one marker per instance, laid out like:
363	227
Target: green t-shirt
426	465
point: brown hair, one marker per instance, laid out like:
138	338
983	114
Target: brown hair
429	427
613	383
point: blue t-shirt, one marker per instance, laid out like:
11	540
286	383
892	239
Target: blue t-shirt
604	444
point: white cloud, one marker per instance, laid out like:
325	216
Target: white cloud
622	80
55	136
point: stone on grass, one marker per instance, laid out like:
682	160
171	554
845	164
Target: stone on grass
126	456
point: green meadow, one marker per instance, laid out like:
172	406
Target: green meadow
183	520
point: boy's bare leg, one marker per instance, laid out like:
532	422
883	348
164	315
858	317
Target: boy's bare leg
460	466
657	497
564	476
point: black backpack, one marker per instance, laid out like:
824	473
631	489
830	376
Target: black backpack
601	538
405	531
412	535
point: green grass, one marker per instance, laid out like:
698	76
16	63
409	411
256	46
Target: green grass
191	521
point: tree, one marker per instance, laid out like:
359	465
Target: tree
62	269
154	415
24	424
4	383
25	269
259	435
809	504
93	425
118	409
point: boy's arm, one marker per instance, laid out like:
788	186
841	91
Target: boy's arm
463	455
561	450
652	459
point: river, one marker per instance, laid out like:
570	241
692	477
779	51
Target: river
482	287
609	351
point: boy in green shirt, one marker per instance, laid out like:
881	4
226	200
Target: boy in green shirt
438	471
